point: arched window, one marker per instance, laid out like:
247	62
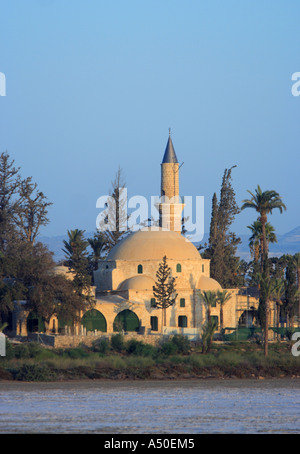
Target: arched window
182	321
126	320
178	268
94	320
202	268
140	269
154	323
182	302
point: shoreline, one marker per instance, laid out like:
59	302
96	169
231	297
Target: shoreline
153	374
32	363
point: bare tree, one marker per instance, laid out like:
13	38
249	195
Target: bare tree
115	224
32	210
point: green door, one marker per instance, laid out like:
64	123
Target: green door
35	324
94	320
126	320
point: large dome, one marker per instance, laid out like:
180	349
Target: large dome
154	244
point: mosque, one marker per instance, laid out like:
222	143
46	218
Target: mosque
124	280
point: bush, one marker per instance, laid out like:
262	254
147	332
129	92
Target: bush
101	346
135	347
178	344
33	372
117	342
21	351
9	352
168	348
182	344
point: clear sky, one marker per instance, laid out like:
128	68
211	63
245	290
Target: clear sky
94	84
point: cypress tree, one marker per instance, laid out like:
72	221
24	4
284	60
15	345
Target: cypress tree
224	266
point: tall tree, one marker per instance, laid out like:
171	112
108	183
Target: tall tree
267	287
77	261
297	263
23	207
256	239
278	293
223	243
9	183
222	298
210	299
53	294
164	289
115	224
264	203
97	244
291	290
32	210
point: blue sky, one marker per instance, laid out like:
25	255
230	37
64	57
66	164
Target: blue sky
94	84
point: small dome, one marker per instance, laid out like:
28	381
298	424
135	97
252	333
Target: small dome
137	283
208	283
154	244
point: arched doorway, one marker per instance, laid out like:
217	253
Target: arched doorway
126	320
248	318
94	320
35	324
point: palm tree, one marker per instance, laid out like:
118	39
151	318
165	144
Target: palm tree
208	332
267	287
76	244
222	298
97	245
256	239
297	263
264	203
210	299
278	293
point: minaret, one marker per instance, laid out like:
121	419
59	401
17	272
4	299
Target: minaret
171	207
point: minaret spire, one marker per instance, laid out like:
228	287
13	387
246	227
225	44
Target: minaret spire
171	206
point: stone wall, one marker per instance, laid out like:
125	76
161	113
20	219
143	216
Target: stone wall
62	341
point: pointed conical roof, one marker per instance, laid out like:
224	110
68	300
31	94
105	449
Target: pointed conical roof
170	155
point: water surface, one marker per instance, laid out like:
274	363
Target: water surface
151	407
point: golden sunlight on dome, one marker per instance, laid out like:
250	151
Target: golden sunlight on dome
208	283
137	283
154	244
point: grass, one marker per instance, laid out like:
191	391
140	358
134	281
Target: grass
174	358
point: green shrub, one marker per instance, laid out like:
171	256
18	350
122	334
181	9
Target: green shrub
135	347
9	350
21	351
182	344
102	346
168	348
34	372
178	344
117	342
